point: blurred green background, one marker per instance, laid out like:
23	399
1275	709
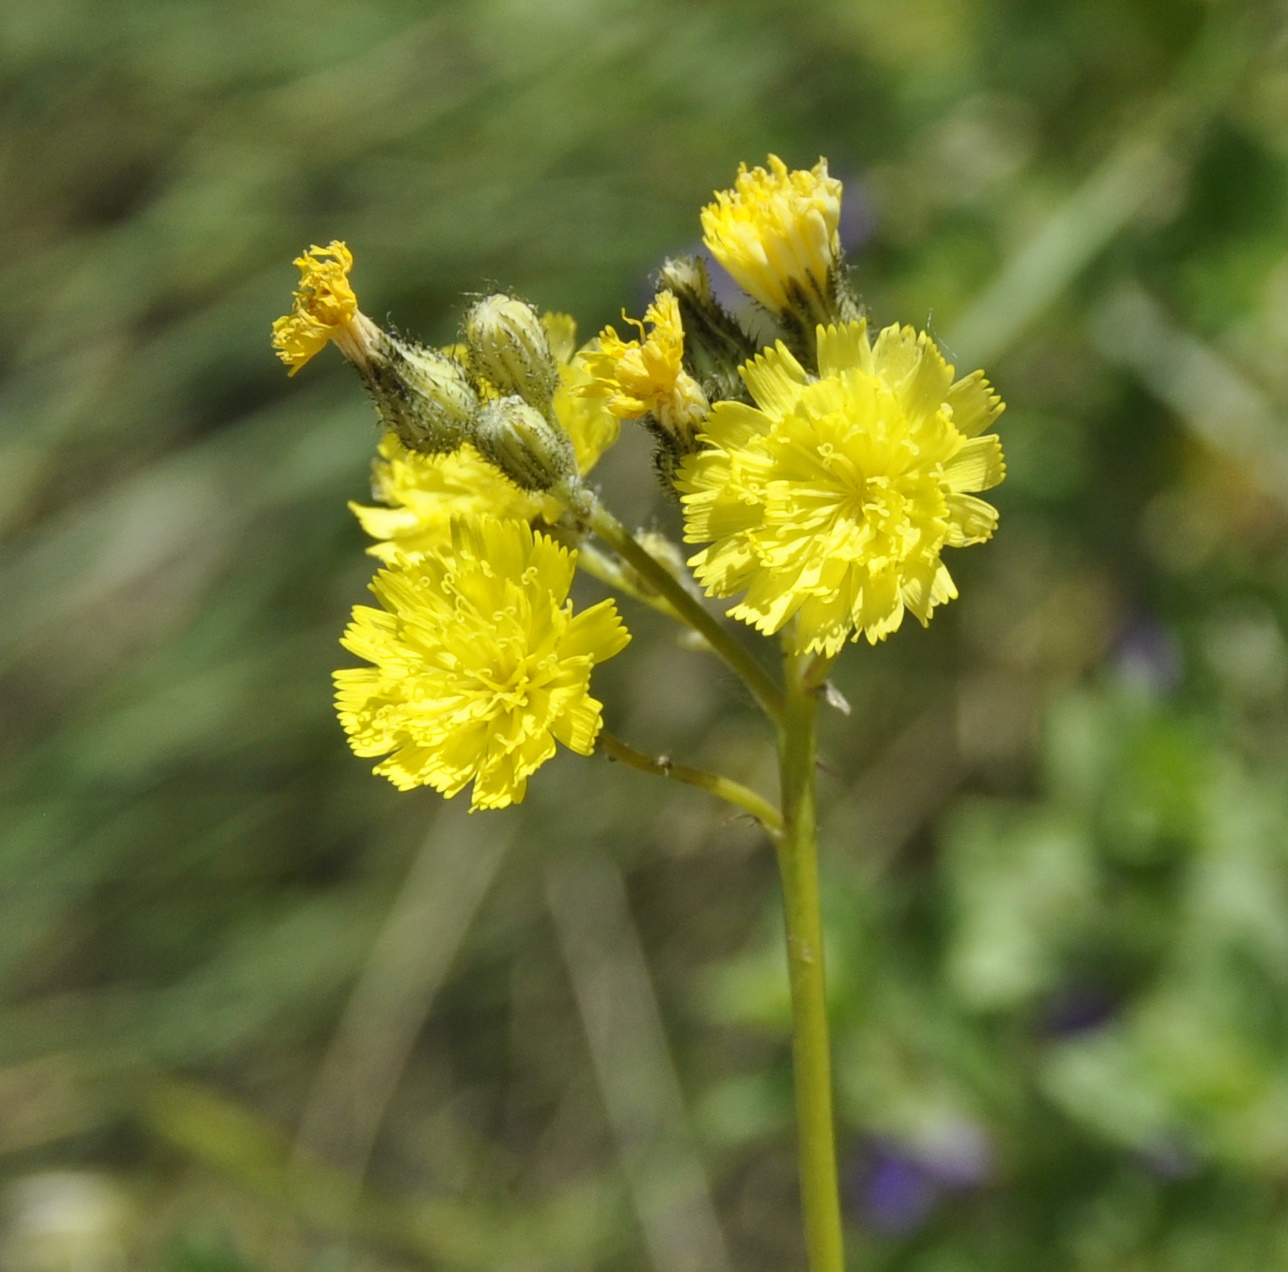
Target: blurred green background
258	1010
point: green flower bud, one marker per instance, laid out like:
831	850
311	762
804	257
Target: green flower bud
715	345
422	395
508	348
531	451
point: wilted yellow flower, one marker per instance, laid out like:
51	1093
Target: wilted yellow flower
423	395
832	499
776	232
479	664
325	309
639	377
422	493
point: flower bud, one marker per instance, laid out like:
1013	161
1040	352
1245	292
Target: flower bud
422	395
508	347
531	451
715	344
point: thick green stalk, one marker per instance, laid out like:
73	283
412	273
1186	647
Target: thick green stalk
812	1069
724	788
583	504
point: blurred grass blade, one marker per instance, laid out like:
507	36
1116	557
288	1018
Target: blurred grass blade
229	1138
1220	407
387	1009
633	1065
1145	159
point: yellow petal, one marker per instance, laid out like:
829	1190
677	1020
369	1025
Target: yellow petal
844	348
977	466
975	405
775	379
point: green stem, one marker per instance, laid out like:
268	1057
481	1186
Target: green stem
798	867
612	571
584	505
725	788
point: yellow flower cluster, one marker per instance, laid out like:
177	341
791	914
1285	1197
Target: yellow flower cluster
455	516
825	487
479	664
830	500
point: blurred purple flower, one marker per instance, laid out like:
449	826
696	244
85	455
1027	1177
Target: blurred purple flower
1148	654
1171	1156
1075	1009
896	1192
896	1186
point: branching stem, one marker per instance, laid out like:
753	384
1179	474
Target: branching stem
583	504
725	788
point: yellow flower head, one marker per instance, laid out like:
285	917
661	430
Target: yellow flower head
639	377
422	493
776	231
479	664
325	307
831	500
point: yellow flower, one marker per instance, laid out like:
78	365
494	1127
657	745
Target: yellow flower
639	377
831	500
325	308
422	493
592	427
480	665
561	334
776	232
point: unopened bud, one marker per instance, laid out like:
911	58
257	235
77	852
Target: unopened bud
516	438
422	395
508	347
